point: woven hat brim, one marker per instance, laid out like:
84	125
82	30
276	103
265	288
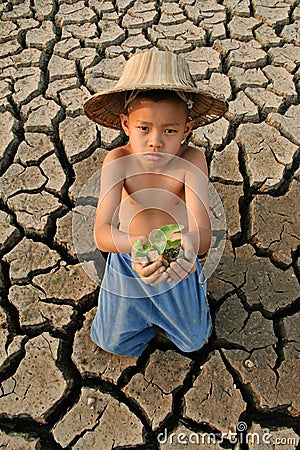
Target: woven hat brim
105	107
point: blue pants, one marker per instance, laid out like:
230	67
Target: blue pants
129	311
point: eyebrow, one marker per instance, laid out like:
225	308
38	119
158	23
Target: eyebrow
143	122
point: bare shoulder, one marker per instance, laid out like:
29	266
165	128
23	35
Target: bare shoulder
196	157
116	154
113	168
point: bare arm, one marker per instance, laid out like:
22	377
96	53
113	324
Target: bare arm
107	236
196	198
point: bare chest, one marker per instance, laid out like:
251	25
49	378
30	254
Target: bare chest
150	201
145	186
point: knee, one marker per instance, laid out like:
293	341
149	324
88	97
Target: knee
117	348
192	346
107	344
195	343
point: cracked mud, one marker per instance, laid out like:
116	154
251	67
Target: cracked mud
58	391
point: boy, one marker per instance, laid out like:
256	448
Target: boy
154	180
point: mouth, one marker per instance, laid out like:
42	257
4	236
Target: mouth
153	156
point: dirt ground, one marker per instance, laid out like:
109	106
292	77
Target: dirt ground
58	390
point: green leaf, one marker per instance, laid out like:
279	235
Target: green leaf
158	240
159	245
137	244
169	230
173	244
140	249
140	253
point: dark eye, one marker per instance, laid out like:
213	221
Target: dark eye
143	128
170	131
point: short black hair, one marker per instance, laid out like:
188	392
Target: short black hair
158	95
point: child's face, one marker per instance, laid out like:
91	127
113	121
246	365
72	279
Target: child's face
156	129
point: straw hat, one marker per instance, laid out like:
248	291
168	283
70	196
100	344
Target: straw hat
154	69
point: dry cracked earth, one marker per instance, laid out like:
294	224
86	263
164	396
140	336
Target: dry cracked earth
58	391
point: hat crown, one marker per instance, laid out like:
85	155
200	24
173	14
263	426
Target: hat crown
161	69
154	69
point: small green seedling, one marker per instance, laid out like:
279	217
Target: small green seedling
56	278
160	240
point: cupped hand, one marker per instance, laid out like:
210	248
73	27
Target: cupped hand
183	266
153	272
150	269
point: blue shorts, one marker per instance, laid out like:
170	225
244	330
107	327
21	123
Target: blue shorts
129	311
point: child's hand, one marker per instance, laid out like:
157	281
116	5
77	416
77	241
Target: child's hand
152	273
183	267
150	269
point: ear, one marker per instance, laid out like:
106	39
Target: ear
124	123
188	127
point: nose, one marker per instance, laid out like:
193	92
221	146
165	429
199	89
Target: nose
155	141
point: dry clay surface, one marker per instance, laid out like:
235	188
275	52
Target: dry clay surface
58	391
